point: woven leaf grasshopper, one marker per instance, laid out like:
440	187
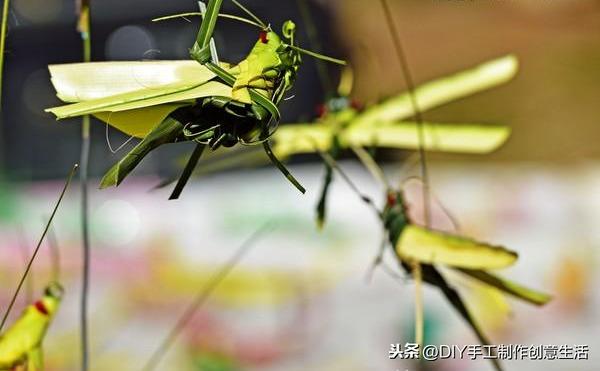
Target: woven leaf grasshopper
21	344
213	104
412	243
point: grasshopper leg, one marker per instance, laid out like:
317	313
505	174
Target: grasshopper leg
187	171
282	167
165	132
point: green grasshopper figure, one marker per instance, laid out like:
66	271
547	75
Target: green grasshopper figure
415	243
212	104
412	243
21	344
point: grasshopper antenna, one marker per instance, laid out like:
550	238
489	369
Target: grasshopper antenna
252	15
451	217
416	267
37	248
201	13
203	295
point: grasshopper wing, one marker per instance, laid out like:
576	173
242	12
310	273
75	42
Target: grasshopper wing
132	96
460	138
78	82
509	287
426	246
138	122
143	98
441	91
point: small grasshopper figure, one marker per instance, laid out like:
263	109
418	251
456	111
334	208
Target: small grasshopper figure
21	344
413	243
342	124
212	104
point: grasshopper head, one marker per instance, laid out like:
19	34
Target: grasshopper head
289	56
54	290
49	303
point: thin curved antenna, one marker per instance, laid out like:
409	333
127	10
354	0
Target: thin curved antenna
201	14
202	296
436	199
317	55
252	15
110	147
37	248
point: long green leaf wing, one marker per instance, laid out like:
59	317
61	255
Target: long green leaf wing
441	91
431	247
301	138
76	82
143	98
138	122
447	137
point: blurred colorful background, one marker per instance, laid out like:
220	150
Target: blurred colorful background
300	299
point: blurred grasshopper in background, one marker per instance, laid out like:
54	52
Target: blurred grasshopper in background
412	243
343	125
213	104
21	344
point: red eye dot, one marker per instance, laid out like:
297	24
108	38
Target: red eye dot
321	110
391	199
41	307
355	104
263	37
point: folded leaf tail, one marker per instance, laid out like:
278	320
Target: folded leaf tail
509	287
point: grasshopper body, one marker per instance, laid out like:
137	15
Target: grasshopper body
21	344
427	247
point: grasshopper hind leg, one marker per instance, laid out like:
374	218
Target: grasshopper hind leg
165	132
187	171
282	167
